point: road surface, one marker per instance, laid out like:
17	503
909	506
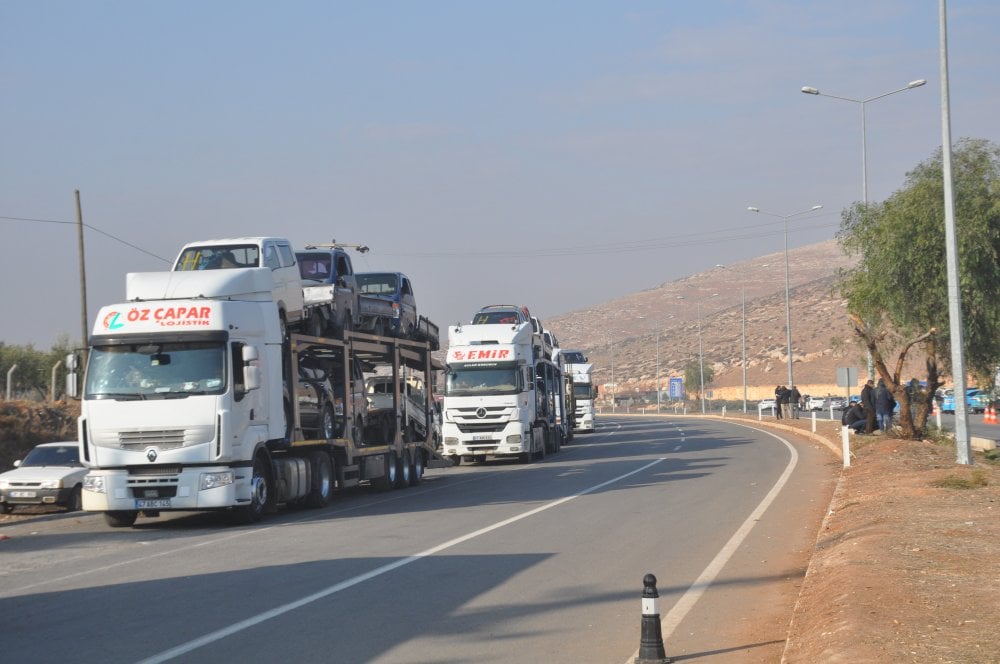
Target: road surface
495	562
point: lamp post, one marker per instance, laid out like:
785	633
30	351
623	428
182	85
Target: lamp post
788	310
658	361
701	354
864	139
743	326
809	90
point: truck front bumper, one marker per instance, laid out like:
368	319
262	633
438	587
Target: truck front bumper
190	489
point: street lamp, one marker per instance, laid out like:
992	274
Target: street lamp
788	311
864	150
701	355
743	350
864	147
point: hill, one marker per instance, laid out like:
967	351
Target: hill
624	331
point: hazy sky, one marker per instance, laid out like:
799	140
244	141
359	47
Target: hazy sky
553	154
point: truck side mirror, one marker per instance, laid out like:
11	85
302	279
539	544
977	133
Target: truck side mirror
72	362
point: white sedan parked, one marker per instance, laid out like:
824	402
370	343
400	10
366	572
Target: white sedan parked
51	474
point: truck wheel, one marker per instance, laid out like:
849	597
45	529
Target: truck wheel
328	426
260	493
6	508
404	475
378	329
320	480
120	519
456	460
540	455
314	327
390	469
417	472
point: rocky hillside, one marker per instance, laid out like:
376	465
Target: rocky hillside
822	338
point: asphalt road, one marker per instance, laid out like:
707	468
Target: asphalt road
497	562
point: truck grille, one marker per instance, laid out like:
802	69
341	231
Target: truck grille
483	427
164	439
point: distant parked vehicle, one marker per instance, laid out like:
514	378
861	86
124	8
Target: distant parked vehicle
815	403
50	474
837	403
976	400
767	404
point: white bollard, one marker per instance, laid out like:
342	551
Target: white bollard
814	420
723	411
845	441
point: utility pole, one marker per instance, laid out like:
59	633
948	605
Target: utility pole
83	276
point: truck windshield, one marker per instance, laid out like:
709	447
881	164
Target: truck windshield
156	371
581	390
473	381
218	257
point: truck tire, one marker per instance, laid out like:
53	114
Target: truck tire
378	329
417	472
120	519
390	470
321	480
456	459
6	508
404	474
315	324
540	455
260	493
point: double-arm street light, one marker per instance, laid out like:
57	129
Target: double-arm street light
788	310
864	140
701	354
809	90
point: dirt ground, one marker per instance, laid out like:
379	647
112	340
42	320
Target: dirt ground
905	563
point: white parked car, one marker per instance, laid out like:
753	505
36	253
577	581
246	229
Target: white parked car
50	474
767	404
815	403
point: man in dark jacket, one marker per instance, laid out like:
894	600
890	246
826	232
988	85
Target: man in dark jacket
868	400
884	405
777	401
784	397
795	399
854	417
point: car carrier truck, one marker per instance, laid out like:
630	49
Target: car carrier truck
187	403
502	398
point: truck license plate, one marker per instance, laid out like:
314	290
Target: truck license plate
155	503
482	436
22	494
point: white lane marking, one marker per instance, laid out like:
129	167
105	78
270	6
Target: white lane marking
253	530
670	622
348	583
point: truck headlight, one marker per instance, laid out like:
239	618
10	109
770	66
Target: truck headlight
514	440
94	483
451	441
215	480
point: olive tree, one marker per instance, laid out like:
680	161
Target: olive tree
897	293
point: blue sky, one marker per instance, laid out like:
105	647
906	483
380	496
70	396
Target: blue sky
555	154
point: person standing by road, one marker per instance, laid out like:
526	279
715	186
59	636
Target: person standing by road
777	401
884	405
784	402
868	400
795	400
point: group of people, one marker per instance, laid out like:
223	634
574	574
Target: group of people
875	408
787	401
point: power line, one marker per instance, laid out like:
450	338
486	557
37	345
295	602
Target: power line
93	228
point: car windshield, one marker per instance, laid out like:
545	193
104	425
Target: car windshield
218	257
52	455
378	284
313	265
156	371
500	316
574	357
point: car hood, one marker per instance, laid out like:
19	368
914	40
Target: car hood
43	473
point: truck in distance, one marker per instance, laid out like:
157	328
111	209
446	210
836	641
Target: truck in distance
584	390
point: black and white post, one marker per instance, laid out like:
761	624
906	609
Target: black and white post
651	641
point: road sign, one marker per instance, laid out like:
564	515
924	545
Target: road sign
847	376
677	388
